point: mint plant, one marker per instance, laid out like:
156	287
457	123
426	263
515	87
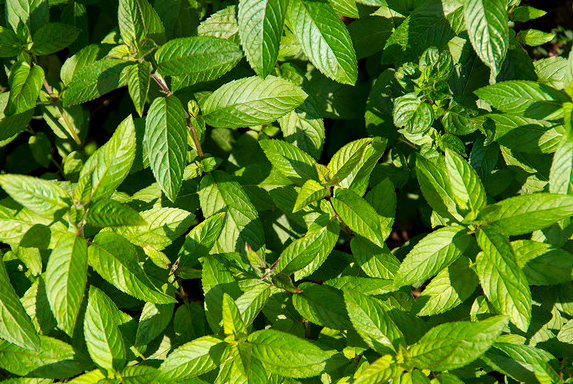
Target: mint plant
213	192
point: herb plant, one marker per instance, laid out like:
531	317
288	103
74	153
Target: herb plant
213	192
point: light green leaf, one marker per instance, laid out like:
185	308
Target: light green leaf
413	114
110	213
219	193
139	374
526	213
433	253
197	59
380	371
535	37
251	101
25	83
252	301
561	173
454	345
115	259
502	281
221	24
165	140
194	358
233	323
324	39
200	240
53	37
345	8
40	196
543	264
94	80
153	320
16	327
137	20
467	188
29	13
375	261
103	338
66	277
106	169
260	30
301	252
360	217
291	161
346	159
322	305
287	355
310	192
304	128
372	322
487	26
524	98
525	13
451	287
138	79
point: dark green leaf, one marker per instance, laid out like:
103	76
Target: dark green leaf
53	37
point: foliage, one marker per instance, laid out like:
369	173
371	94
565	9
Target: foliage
269	152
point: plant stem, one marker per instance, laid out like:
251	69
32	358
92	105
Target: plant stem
165	88
56	101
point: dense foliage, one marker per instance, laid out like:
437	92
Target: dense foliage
284	191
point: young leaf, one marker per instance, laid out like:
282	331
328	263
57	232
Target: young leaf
413	114
104	340
194	358
524	98
115	259
372	322
219	193
25	83
197	59
260	30
53	37
137	20
109	165
110	213
66	277
138	79
251	101
40	196
287	355
292	162
526	213
487	25
94	80
324	39
467	188
310	192
322	305
232	322
16	327
501	279
454	345
166	143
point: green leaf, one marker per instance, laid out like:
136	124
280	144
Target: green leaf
164	225
10	43
324	39
380	371
251	101
200	240
360	217
304	128
372	322
233	323
375	261
501	279
165	141
561	173
104	340
106	169
291	161
467	188
115	259
487	26
454	345
260	30
152	322
525	13
413	114
322	305
53	37
110	213
301	252
526	213
534	37
525	135
66	277
94	80
524	98
137	20
25	82
347	158
433	253
194	358
543	264
252	301
28	13
10	126
221	24
43	197
383	199
310	192
219	193
287	355
16	327
197	59
138	79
